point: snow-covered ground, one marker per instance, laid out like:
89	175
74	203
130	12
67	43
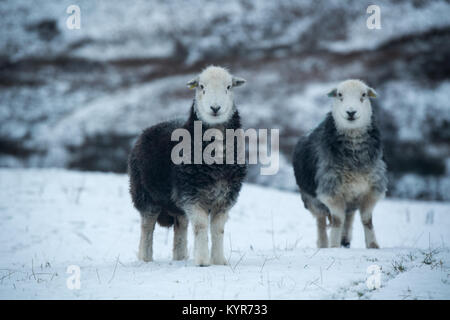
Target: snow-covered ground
52	219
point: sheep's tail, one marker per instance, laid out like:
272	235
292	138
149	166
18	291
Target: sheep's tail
165	220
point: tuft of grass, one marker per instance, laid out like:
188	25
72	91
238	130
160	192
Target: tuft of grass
429	259
398	266
411	256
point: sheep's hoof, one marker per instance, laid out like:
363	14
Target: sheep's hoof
219	261
180	256
373	245
345	243
146	259
203	265
202	262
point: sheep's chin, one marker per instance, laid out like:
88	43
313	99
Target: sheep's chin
210	119
344	124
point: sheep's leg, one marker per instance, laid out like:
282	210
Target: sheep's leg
336	228
322	237
336	207
180	238
366	210
321	219
347	231
199	219
148	222
217	230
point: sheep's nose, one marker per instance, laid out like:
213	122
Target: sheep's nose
215	109
351	114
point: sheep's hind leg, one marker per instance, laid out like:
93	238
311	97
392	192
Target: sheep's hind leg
366	210
180	238
148	221
217	230
199	219
347	231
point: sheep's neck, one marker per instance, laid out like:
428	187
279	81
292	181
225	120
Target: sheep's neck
233	123
353	134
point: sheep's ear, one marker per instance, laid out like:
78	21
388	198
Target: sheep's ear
193	83
238	81
332	93
372	93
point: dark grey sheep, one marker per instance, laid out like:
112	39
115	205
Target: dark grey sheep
173	194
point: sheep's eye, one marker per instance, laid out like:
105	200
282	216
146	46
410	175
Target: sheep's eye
229	87
340	94
364	94
202	87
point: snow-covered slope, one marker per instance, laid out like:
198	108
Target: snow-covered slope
51	219
78	98
150	28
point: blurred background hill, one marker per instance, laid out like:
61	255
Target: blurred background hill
79	98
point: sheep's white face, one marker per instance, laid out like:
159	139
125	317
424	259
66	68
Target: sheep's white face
214	94
351	105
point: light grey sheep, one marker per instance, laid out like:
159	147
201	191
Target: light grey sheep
339	166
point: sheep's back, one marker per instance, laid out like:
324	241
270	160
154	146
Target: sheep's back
305	165
150	164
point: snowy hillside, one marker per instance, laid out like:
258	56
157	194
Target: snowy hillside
51	219
117	29
78	98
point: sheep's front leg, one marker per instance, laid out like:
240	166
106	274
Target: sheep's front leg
199	219
180	238
336	207
217	230
321	219
347	231
322	237
146	243
337	217
366	210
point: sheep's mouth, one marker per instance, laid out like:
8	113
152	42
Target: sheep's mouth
351	119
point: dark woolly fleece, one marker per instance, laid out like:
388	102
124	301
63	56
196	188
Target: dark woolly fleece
158	186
